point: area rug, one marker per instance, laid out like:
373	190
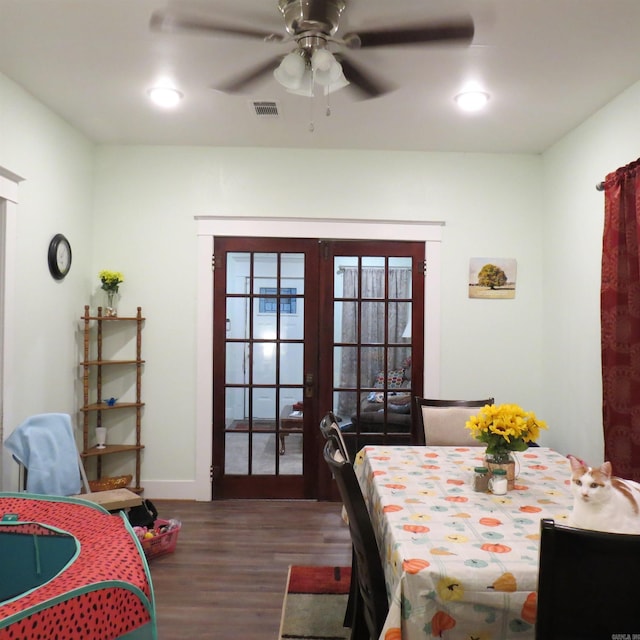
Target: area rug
315	602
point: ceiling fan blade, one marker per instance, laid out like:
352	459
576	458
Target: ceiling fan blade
365	82
171	21
242	81
460	30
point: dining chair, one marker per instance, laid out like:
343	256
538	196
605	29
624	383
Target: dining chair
443	422
372	605
587	584
331	429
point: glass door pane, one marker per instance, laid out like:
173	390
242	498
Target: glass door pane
264	367
373	298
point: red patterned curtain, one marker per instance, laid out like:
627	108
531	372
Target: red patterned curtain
620	318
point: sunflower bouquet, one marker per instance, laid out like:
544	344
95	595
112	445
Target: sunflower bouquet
505	428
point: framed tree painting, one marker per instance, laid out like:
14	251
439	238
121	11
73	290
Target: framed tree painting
492	278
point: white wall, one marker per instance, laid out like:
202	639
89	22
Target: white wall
55	197
491	206
574	216
136	215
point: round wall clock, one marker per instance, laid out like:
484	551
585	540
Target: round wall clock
59	256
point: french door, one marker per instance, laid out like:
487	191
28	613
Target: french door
301	327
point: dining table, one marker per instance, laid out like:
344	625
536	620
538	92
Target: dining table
460	563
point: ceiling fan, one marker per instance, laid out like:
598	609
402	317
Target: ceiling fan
312	25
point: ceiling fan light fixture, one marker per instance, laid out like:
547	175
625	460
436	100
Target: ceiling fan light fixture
472	100
164	96
339	83
291	71
305	88
299	72
327	71
322	60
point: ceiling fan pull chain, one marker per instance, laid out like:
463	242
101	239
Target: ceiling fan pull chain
312	126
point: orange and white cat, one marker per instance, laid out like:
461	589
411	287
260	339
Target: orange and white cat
602	501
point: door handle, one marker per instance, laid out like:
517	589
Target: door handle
308	385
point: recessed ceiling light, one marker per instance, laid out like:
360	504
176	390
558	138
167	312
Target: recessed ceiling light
472	100
165	96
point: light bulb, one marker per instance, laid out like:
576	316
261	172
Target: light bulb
321	60
166	97
472	100
326	69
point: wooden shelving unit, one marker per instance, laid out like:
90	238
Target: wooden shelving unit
95	412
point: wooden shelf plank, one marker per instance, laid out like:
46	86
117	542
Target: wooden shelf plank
111	448
102	406
106	362
113	318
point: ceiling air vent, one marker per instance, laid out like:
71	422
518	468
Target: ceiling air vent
266	108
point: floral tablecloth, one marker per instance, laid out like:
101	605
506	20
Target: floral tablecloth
460	564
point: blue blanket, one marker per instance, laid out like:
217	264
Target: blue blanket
45	445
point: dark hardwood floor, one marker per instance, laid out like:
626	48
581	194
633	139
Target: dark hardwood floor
227	577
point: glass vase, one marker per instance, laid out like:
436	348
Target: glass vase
111	308
503	460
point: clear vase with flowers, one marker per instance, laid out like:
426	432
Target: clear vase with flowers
505	428
111	281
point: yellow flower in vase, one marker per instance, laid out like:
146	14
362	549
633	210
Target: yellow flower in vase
505	428
111	280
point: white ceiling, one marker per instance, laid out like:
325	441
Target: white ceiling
548	65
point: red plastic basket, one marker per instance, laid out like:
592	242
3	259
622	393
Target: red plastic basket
161	543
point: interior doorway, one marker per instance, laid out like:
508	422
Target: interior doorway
301	327
8	222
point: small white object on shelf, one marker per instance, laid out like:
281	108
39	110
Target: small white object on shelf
101	437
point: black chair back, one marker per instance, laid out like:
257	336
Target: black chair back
588	586
448	426
331	431
371	582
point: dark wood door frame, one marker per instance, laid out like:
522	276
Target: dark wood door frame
209	227
318	339
266	486
326	489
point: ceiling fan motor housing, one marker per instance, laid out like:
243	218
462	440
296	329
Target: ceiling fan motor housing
303	16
